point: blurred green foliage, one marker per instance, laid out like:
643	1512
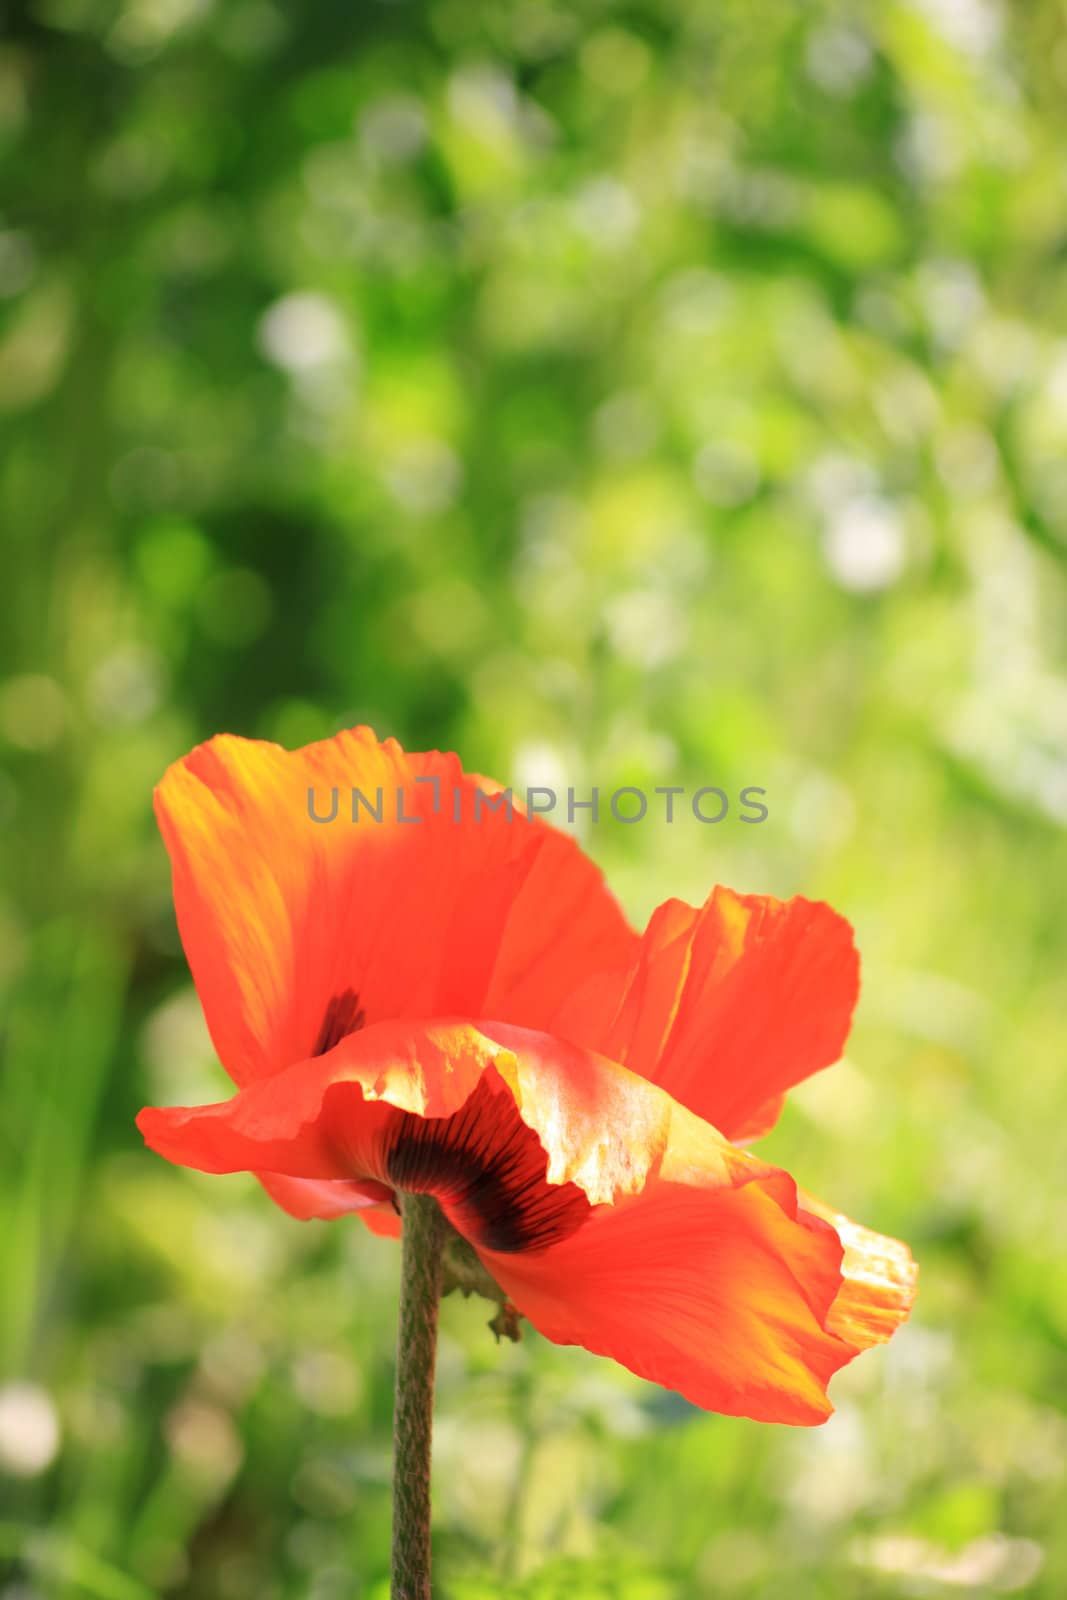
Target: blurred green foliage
623	393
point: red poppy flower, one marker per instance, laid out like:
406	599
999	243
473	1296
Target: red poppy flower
458	1007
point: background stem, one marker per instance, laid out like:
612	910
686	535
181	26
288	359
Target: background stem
416	1355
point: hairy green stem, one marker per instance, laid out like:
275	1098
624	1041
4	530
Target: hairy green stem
416	1356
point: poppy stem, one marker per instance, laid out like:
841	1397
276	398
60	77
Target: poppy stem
416	1356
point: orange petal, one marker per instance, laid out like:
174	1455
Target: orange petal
329	1118
323	1198
721	1294
517	1133
382	1220
298	931
879	1280
326	1199
726	1006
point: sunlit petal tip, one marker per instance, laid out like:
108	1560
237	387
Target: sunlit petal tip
879	1280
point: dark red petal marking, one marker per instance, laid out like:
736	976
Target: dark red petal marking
344	1015
487	1168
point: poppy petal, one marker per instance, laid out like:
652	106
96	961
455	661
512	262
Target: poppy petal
518	1134
326	1199
382	1220
720	1294
320	1198
879	1279
298	931
726	1006
328	1118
